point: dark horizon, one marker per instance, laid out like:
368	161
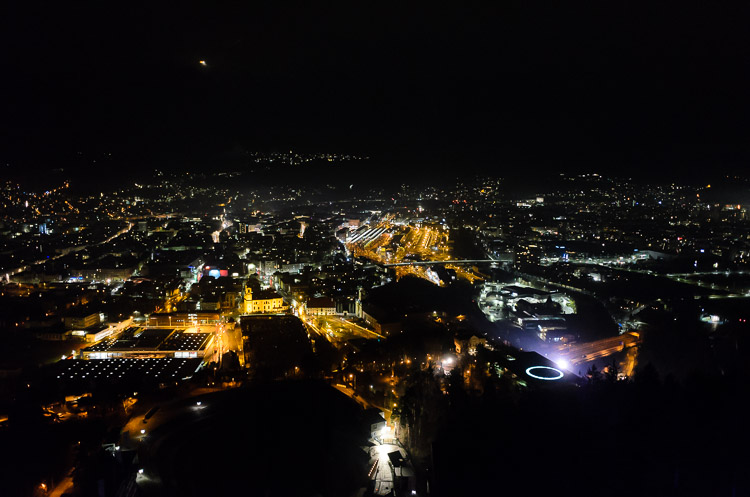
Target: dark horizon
655	89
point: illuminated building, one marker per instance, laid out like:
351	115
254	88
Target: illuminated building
152	343
82	322
264	301
321	306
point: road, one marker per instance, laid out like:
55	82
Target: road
686	279
585	352
336	328
434	262
384	476
353	395
64	486
171	303
180	414
66	251
707	273
230	338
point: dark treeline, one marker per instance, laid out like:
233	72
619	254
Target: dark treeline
650	436
677	428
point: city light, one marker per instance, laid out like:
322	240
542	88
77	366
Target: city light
563	363
383	450
540	371
479	262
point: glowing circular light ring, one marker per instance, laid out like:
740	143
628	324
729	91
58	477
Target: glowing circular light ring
560	374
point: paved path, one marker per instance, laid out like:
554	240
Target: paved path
64	486
384	476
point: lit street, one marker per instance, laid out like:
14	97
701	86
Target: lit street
337	328
384	474
295	249
585	352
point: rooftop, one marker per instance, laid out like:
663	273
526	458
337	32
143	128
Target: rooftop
127	369
152	339
318	302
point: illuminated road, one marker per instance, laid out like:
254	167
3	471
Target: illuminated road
230	338
232	428
336	328
707	273
432	263
64	486
384	475
226	337
687	279
147	434
353	395
68	250
585	352
224	225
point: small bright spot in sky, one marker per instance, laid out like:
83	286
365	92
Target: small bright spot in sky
203	63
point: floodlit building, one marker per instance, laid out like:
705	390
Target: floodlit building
264	301
189	318
152	343
83	321
467	343
321	306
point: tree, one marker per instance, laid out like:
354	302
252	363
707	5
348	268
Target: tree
594	375
612	372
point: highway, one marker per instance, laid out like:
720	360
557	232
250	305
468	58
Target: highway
706	273
435	262
581	353
687	279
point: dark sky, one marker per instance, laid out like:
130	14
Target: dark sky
577	86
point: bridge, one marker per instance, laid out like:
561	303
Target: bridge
431	263
580	353
706	273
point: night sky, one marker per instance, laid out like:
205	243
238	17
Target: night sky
579	86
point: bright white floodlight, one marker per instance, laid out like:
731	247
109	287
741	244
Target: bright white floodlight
563	363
